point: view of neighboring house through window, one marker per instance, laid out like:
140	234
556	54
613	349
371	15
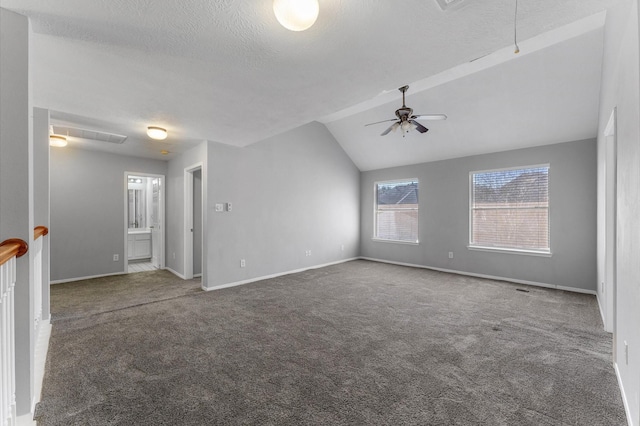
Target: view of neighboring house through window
509	209
396	211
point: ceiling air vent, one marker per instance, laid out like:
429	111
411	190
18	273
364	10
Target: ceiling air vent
449	4
93	135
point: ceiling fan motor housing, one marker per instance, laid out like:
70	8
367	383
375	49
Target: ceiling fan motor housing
404	113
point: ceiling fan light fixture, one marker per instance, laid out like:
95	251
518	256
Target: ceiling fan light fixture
296	15
406	126
57	141
157	133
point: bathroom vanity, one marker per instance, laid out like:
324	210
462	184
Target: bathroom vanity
139	244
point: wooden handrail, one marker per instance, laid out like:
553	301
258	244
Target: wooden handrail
12	247
40	231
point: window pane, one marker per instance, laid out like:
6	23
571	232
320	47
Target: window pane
510	209
397	211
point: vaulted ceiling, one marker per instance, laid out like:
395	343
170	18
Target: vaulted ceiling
226	71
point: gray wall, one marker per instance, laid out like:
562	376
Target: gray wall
621	90
291	193
87	210
444	216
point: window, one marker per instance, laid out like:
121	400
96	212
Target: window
396	215
509	209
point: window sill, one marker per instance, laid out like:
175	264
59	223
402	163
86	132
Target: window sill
411	243
511	251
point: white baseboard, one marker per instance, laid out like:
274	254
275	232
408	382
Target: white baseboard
70	280
601	309
624	396
25	420
491	277
177	274
279	274
40	359
197	275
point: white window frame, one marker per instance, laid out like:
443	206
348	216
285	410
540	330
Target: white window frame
531	252
375	212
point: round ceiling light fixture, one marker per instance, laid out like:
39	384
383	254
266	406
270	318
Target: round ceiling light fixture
296	15
157	133
57	140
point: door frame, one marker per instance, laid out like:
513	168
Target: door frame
161	219
610	223
188	219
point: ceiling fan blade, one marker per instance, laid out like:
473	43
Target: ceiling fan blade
383	121
430	117
419	127
393	127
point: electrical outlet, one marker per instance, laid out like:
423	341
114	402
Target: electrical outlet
174	254
342	247
229	207
243	263
309	252
450	255
116	257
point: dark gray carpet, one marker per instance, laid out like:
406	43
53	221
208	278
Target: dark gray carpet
359	343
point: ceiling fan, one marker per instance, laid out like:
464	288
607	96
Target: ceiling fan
406	120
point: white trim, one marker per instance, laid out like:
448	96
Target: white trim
510	251
279	274
187	258
25	420
197	275
177	274
601	309
381	240
490	277
69	280
625	402
610	130
40	359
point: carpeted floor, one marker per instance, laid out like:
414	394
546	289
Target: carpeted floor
359	343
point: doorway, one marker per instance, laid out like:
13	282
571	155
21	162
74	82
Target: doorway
144	222
193	223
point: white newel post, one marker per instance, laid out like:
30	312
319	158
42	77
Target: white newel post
7	344
37	281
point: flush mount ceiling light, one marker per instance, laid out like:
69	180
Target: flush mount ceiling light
157	133
296	15
57	140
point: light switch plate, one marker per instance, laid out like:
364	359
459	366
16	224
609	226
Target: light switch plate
219	207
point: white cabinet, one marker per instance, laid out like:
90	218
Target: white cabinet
139	245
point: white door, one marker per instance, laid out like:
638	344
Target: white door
156	231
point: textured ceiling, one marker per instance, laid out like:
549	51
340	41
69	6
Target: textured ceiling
226	71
